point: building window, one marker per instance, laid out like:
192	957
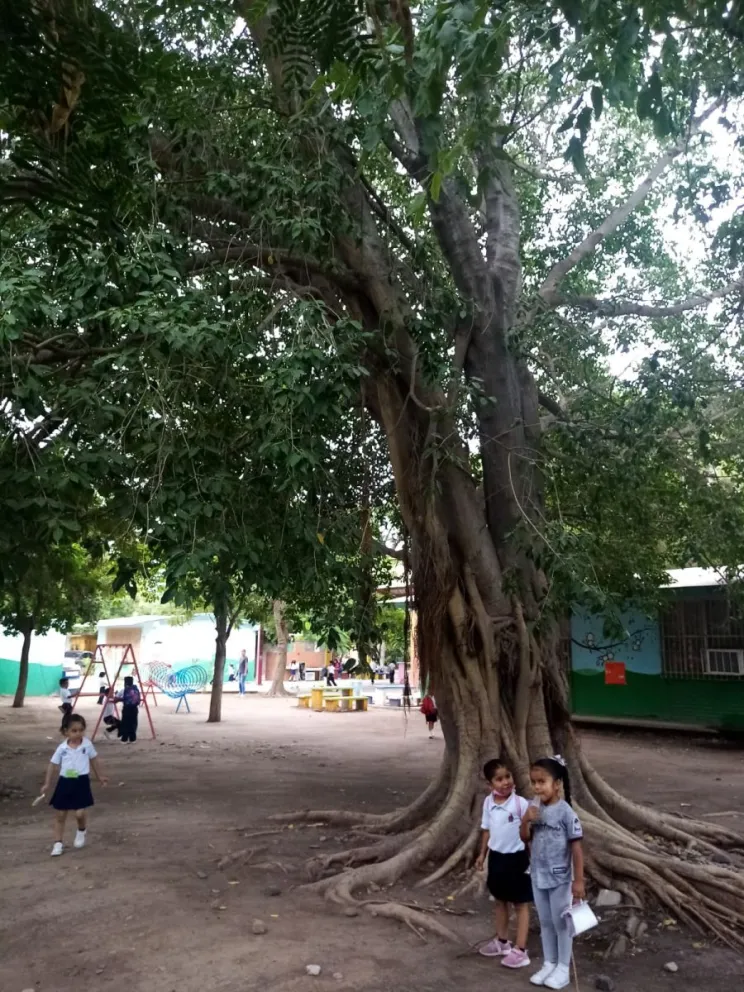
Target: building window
724	662
702	639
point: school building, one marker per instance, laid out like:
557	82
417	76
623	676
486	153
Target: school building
154	638
684	665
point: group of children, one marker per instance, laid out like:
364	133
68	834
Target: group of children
531	850
533	853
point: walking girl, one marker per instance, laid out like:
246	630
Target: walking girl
72	761
508	864
557	864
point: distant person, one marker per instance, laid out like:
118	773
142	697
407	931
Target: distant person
130	702
302	671
329	675
392	668
373	672
102	687
429	710
242	671
65	695
72	761
231	672
293	671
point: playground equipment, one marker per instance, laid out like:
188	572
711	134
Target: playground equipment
157	675
178	685
105	657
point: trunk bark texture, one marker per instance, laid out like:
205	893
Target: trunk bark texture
20	693
220	653
282	639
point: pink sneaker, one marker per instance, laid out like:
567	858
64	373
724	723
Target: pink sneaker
495	948
516	959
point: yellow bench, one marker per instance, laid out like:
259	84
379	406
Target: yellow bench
337	704
304	701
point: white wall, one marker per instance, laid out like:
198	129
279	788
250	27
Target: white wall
46	649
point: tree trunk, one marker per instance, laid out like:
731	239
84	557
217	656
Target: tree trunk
492	662
282	638
20	694
220	653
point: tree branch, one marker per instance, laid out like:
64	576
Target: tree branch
551	405
270	259
618	217
628	308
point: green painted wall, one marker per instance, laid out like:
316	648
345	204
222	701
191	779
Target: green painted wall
702	702
43	680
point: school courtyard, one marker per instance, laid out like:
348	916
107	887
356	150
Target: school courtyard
145	906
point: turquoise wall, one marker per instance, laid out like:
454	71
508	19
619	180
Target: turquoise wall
43	680
647	694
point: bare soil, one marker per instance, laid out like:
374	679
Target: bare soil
145	907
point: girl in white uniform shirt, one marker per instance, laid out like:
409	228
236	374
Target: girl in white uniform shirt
508	864
73	759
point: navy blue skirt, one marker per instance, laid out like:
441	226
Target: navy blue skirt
72	793
508	877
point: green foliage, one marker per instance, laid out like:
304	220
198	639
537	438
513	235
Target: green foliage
184	365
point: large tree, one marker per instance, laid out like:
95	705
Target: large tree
457	207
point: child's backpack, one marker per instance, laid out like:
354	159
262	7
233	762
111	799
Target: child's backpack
131	696
427	706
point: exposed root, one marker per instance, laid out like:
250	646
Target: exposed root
463	853
238	857
379	851
473	887
631	815
413	918
397	821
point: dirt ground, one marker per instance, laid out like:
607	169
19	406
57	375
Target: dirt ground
144	906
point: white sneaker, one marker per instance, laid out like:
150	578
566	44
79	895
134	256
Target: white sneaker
57	849
560	978
540	977
79	839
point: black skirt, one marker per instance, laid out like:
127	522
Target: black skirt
432	717
72	793
508	878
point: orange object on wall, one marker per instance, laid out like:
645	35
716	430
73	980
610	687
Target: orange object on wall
615	673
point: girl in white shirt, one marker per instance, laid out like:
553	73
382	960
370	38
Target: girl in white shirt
73	760
508	861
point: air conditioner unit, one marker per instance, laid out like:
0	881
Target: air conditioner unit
723	661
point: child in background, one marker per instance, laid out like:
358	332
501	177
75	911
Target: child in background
109	712
65	695
508	864
429	710
130	700
73	759
102	688
557	855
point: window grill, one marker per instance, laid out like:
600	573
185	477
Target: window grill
702	639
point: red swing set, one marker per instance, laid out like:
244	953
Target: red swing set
99	663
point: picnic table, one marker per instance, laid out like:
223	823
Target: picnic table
346	703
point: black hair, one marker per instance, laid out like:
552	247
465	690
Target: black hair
558	771
101	675
491	767
63	679
70	718
128	680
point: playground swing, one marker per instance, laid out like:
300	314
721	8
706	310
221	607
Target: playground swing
100	662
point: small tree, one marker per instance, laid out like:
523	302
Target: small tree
46	589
